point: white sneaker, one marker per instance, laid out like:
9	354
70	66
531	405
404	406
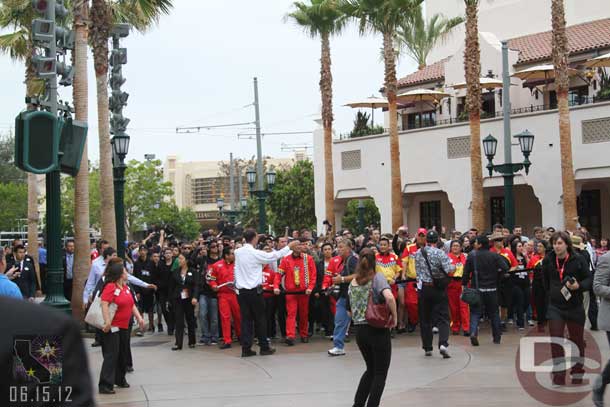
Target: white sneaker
336	352
531	322
444	351
434	330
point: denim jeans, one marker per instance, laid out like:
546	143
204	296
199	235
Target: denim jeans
208	308
342	320
489	306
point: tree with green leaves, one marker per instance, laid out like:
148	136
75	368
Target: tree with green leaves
386	17
8	171
14	205
352	215
141	14
323	18
292	201
183	221
418	36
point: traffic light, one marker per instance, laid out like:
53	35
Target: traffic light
118	123
118	99
66	72
37	141
71	145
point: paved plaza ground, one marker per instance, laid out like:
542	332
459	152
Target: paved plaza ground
304	375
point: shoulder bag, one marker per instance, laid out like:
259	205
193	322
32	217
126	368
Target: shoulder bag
439	282
472	296
378	315
95	316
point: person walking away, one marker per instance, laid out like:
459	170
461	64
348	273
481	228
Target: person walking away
374	343
115	337
521	285
482	271
299	272
566	278
222	281
183	291
538	291
601	288
432	266
249	264
341	270
460	313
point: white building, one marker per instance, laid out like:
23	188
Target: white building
435	165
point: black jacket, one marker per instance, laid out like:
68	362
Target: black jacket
490	267
32	320
320	270
576	267
26	282
161	274
204	288
176	285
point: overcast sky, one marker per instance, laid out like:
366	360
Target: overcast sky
196	68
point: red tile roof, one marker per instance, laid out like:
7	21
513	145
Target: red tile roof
581	38
430	73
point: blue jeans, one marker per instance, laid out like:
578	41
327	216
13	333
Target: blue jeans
489	307
342	320
208	308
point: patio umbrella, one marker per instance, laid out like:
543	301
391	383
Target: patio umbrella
544	72
421	95
372	103
599	62
486	83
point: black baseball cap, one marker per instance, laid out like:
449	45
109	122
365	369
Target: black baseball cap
432	236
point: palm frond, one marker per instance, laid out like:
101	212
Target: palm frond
140	14
318	17
15	45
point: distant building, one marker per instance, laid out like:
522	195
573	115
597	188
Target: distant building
199	184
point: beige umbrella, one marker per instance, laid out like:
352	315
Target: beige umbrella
421	95
541	72
486	83
372	103
599	62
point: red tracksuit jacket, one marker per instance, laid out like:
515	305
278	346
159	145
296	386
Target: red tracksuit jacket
222	272
300	273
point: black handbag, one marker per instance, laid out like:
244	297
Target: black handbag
472	296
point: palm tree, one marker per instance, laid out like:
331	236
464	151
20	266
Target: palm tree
419	37
323	18
472	69
562	86
82	260
385	17
141	14
19	14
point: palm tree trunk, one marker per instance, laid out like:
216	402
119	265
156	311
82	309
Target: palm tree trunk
33	214
326	90
82	259
389	57
562	86
472	69
100	27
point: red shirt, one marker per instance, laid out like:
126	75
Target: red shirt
94	254
335	267
299	272
508	255
458	262
268	280
221	273
123	299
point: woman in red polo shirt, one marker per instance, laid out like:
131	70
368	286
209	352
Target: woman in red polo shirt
115	338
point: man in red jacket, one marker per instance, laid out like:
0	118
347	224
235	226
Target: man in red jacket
299	272
222	280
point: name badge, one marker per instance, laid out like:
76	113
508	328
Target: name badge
26	268
114	329
565	291
189	273
117	292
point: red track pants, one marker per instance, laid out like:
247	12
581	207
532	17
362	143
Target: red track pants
460	314
411	301
296	302
227	306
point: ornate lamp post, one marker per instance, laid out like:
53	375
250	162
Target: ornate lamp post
261	194
508	170
120	148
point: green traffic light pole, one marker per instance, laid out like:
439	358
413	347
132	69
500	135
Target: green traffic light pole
118	172
55	274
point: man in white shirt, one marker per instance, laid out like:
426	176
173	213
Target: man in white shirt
249	264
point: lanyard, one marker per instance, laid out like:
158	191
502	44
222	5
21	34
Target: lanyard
560	270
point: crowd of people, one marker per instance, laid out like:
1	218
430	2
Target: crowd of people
313	285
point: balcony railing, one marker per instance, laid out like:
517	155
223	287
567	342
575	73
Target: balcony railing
427	122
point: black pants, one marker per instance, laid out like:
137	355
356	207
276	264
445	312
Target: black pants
115	346
270	310
606	372
165	310
540	301
252	309
319	310
593	310
376	348
433	310
184	309
574	321
489	307
521	300
281	314
68	289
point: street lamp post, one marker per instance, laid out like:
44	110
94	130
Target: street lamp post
261	194
508	170
120	148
